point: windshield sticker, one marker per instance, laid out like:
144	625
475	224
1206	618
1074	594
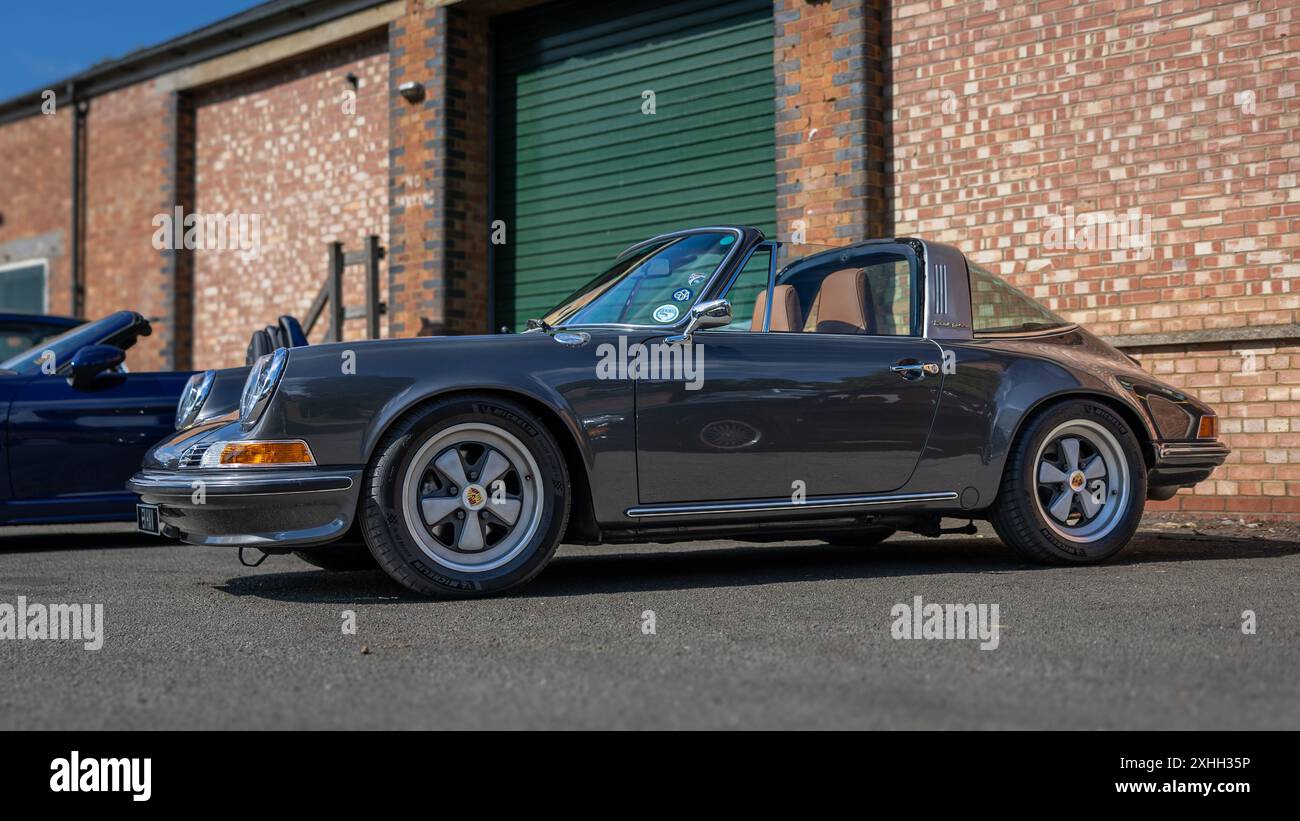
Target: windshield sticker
727	240
665	313
696	279
682	295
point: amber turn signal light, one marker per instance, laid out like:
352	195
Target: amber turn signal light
1209	428
266	453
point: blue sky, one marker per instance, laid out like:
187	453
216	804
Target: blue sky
45	41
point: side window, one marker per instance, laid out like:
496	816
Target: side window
746	308
890	285
862	293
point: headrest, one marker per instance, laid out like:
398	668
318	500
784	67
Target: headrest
786	315
291	332
259	345
845	304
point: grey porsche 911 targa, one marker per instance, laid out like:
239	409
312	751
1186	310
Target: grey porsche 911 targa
710	384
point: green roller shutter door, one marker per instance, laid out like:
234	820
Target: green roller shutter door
580	172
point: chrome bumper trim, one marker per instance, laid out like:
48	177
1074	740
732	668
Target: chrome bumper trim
1191	453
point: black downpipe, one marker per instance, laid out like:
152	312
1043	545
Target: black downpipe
491	115
74	252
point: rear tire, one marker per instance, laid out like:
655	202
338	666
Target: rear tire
464	497
1073	488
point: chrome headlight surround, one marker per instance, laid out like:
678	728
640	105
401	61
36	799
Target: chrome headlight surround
260	386
192	398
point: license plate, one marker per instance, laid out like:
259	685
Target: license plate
146	519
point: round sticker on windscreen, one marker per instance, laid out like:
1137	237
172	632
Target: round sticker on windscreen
665	313
695	279
682	295
727	240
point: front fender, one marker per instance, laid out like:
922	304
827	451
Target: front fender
342	398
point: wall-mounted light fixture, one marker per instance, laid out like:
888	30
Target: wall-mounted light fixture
411	91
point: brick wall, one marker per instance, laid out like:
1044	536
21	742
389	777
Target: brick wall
1009	115
287	146
128	148
468	127
180	261
831	140
439	175
416	53
35	197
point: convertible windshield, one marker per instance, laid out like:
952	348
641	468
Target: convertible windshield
17	337
67	343
654	285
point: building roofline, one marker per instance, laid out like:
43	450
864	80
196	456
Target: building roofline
265	21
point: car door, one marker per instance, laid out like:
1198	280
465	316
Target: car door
79	446
774	413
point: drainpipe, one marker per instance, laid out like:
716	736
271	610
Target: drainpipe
74	254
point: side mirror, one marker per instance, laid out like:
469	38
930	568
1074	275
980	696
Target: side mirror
89	362
713	313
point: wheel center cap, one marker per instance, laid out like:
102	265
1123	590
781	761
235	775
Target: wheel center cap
474	497
1077	480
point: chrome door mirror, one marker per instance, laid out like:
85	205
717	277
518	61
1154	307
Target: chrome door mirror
713	313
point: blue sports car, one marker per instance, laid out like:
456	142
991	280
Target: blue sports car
76	423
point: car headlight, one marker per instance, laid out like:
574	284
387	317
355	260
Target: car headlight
260	386
192	398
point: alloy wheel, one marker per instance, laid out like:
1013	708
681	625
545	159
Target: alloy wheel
470	497
1082	482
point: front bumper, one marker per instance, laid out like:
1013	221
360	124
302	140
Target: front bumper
261	507
1180	464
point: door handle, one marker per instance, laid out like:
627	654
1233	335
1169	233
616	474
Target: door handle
911	369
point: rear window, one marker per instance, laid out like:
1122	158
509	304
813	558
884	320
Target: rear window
997	308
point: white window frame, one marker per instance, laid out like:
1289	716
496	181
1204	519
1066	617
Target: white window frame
44	262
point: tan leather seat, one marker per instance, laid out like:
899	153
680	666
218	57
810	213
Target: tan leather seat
786	315
845	304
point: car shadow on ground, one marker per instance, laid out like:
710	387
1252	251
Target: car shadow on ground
31	539
690	567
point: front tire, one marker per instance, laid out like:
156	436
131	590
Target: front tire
465	497
1074	486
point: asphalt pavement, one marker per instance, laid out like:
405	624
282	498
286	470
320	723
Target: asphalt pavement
792	635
